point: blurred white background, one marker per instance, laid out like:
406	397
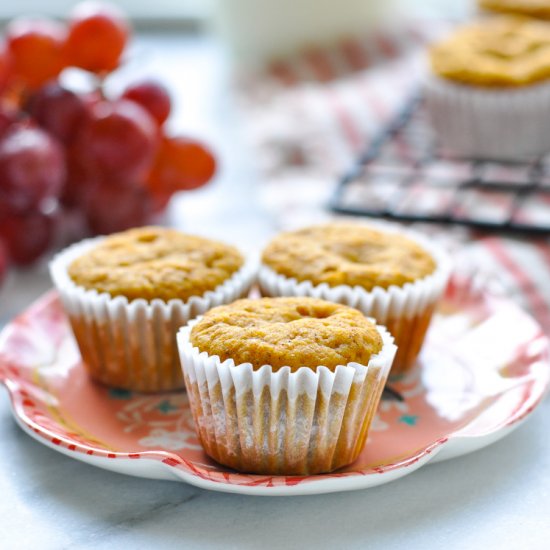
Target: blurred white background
148	10
198	10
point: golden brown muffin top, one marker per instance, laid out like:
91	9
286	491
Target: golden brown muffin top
503	51
533	8
348	254
155	262
293	332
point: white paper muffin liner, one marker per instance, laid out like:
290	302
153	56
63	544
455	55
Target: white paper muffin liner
283	423
500	124
404	310
132	344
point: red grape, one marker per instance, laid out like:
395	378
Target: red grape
120	139
59	111
181	164
151	95
4	262
4	66
97	36
8	117
109	208
81	175
159	201
27	236
35	50
32	168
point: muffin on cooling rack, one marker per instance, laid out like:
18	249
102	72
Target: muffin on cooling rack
531	8
285	386
488	94
390	274
127	295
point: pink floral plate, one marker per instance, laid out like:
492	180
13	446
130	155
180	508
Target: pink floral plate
484	368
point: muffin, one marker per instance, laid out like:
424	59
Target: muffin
127	295
394	276
531	8
488	94
284	386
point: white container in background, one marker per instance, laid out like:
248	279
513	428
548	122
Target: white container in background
257	31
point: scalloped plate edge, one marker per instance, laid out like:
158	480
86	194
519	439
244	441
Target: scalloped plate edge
151	465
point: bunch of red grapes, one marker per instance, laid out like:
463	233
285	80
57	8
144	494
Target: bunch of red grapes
110	160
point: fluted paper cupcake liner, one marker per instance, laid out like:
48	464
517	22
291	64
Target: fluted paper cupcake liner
499	124
283	423
132	344
405	310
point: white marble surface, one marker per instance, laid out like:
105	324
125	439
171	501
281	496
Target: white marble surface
497	497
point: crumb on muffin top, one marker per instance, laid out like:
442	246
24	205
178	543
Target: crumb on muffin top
348	254
293	332
532	8
502	51
155	262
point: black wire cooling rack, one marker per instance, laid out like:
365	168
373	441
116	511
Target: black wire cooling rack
403	175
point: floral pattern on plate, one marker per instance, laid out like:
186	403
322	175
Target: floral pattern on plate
483	369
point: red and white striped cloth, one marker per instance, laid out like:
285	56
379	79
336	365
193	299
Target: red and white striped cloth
309	117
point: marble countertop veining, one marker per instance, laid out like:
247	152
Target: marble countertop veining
495	498
498	497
